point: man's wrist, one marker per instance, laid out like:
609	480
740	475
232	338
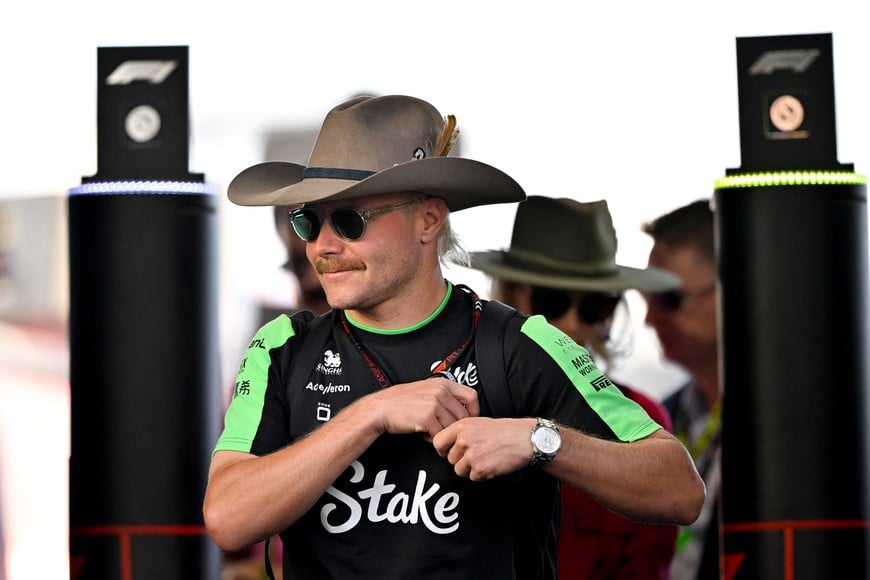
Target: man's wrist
546	442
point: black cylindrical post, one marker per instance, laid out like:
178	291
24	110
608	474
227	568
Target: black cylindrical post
794	294
792	253
144	369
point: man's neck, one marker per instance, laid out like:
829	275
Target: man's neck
405	310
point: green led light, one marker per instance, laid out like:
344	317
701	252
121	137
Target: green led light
795	177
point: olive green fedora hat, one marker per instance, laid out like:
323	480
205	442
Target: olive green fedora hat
566	244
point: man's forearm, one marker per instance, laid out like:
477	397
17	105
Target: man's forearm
251	498
651	480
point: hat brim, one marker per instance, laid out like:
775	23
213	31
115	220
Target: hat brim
624	278
462	183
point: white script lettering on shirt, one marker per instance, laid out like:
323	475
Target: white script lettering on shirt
398	508
466	376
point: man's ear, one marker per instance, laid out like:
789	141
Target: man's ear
434	213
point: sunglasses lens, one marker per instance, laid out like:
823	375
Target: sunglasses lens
595	307
592	307
306	223
551	303
348	223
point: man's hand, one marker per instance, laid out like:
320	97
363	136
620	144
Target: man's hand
481	448
426	406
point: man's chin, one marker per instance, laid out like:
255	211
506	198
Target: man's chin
340	302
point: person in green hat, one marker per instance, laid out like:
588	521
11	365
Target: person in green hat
561	264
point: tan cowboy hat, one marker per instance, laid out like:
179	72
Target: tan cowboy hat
374	145
567	244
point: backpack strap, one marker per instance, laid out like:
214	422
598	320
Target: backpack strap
489	344
270	574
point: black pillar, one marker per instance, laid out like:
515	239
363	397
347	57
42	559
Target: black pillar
144	370
792	243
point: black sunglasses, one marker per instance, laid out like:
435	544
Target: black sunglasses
673	300
592	307
347	222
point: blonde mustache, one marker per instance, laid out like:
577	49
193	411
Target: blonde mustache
327	265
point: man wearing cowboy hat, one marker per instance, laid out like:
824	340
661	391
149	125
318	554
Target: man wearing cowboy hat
379	458
561	264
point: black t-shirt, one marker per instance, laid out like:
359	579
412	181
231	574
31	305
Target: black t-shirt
400	511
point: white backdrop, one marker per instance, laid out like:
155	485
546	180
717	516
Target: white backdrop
635	102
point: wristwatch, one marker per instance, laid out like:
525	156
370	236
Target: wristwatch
546	442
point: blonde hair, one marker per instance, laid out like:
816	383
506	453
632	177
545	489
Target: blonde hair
450	248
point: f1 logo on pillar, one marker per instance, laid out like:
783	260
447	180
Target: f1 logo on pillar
142	123
153	71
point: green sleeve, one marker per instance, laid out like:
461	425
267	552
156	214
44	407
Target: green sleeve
242	418
628	420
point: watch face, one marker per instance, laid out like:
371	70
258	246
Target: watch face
547	440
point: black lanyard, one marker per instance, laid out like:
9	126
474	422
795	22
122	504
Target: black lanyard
442	366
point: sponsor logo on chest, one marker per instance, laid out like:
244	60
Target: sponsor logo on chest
383	502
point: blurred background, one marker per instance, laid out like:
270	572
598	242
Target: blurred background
631	102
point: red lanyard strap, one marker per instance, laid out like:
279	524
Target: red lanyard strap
373	366
443	365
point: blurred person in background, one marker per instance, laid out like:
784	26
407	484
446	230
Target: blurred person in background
562	264
685	321
310	294
250	564
34	389
296	287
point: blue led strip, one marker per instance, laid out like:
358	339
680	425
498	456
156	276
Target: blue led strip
794	177
143	187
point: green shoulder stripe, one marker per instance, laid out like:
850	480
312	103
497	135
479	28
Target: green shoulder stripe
626	418
249	394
